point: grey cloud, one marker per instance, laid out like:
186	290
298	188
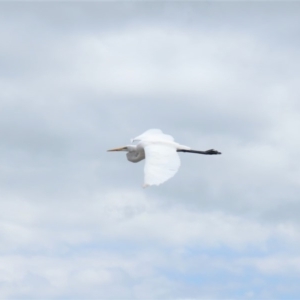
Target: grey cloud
79	78
97	98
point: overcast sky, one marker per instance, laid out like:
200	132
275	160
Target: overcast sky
79	78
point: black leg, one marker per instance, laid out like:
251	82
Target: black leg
207	152
212	152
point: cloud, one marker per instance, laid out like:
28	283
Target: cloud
134	242
77	79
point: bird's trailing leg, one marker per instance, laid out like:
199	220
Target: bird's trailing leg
212	152
207	152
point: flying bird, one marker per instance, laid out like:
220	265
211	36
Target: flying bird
160	151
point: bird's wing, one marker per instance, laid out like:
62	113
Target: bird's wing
162	163
151	134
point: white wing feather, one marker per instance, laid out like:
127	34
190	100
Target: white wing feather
153	134
162	163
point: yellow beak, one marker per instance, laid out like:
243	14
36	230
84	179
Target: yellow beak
117	149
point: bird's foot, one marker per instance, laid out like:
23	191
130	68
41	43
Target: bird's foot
212	152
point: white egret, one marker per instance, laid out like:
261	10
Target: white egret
160	151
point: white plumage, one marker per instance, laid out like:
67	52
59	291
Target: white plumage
161	153
162	163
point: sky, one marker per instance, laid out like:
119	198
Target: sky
78	78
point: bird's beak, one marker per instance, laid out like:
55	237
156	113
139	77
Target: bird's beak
117	149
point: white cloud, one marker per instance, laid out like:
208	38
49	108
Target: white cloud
77	80
274	264
131	216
